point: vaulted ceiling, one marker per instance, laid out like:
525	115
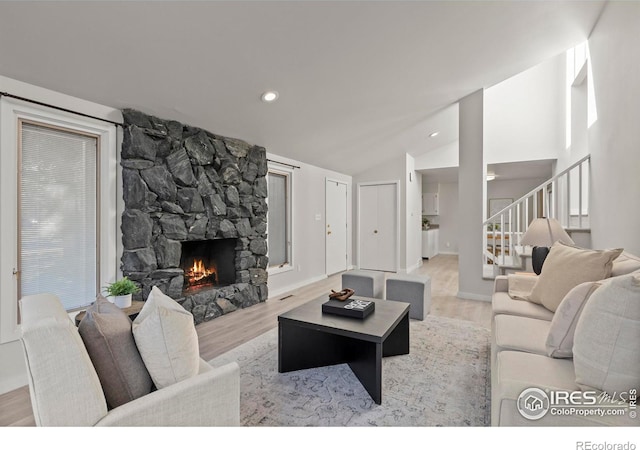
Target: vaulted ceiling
359	82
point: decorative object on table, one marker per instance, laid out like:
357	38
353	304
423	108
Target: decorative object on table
425	223
121	292
342	295
358	308
542	234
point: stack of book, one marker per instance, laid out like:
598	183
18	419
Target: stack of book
357	308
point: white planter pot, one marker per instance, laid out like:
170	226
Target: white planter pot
122	301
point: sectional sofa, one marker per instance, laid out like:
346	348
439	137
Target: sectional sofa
574	351
98	374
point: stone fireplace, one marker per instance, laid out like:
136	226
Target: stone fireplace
195	216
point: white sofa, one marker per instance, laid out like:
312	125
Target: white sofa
519	356
66	391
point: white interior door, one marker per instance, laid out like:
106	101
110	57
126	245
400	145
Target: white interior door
387	232
377	234
368	223
336	226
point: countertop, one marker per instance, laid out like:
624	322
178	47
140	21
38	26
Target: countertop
433	226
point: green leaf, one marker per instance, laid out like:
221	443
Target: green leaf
123	286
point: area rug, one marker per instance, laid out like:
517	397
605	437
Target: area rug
443	381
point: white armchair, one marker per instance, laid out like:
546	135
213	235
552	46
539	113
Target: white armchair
65	389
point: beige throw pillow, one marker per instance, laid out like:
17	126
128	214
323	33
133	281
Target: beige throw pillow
605	351
563	324
166	337
520	286
566	267
106	332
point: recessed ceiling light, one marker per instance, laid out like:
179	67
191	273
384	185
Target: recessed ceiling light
269	96
434	134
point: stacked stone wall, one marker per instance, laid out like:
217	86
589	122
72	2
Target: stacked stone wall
182	183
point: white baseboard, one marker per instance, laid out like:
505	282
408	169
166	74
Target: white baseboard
448	253
471	296
410	269
291	287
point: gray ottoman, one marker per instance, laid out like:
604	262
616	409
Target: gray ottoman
413	289
365	283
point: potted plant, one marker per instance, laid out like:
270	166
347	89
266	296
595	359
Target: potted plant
121	292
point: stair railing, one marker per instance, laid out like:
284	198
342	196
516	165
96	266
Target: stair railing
563	197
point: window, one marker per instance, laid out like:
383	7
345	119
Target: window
58	213
279	220
60	199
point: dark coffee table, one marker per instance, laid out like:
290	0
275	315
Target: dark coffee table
309	338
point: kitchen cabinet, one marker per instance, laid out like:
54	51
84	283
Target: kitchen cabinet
430	242
430	204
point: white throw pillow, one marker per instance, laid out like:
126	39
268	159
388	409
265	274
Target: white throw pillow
567	266
167	340
565	320
605	350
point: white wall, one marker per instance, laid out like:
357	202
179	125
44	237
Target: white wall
445	156
414	216
429	187
523	119
309	255
524	115
448	219
614	139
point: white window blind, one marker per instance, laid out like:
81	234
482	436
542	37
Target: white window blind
58	214
277	219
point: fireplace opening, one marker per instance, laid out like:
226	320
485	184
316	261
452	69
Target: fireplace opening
208	264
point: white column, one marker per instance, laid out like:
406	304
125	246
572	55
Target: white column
471	198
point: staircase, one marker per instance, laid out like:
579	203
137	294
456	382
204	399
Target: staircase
563	197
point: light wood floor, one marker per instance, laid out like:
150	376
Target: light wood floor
227	332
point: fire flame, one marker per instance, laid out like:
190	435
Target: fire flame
199	271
